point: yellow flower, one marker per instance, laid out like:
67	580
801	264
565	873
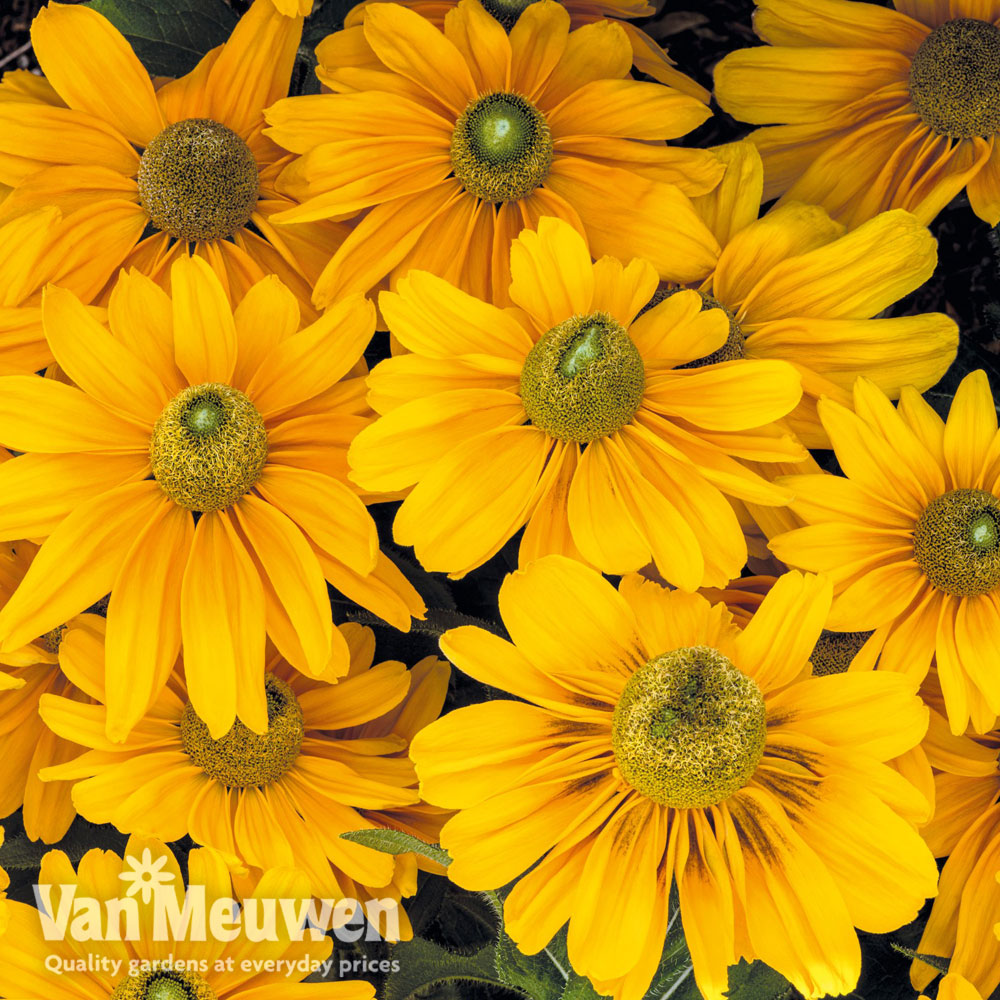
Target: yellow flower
464	137
647	55
332	759
196	471
966	830
100	969
802	289
658	743
187	159
911	538
874	108
628	450
26	674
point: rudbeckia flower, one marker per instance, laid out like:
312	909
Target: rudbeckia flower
26	745
873	108
966	830
594	427
799	288
186	162
647	56
911	537
461	138
196	472
150	967
333	759
658	744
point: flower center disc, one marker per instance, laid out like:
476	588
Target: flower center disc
163	985
208	446
583	380
198	180
689	729
834	651
955	79
506	11
243	758
732	350
501	149
957	542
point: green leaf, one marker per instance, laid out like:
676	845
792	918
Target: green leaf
169	36
579	988
757	981
423	964
18	853
397	842
535	975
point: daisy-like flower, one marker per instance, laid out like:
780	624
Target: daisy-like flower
659	744
462	137
186	161
333	759
196	471
799	288
874	108
572	416
965	829
103	966
647	55
911	537
26	744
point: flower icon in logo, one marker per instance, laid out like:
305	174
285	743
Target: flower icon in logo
146	876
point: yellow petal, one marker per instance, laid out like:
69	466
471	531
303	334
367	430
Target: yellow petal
293	573
98	363
222	621
551	272
78	563
94	69
204	330
144	618
776	644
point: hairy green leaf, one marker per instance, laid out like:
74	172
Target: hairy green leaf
423	964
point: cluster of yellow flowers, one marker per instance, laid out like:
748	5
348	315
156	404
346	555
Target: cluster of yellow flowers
598	348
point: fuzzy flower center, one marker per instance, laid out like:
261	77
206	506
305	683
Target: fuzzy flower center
501	149
689	730
163	985
198	180
955	79
243	758
506	11
834	651
583	380
957	542
208	447
731	350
